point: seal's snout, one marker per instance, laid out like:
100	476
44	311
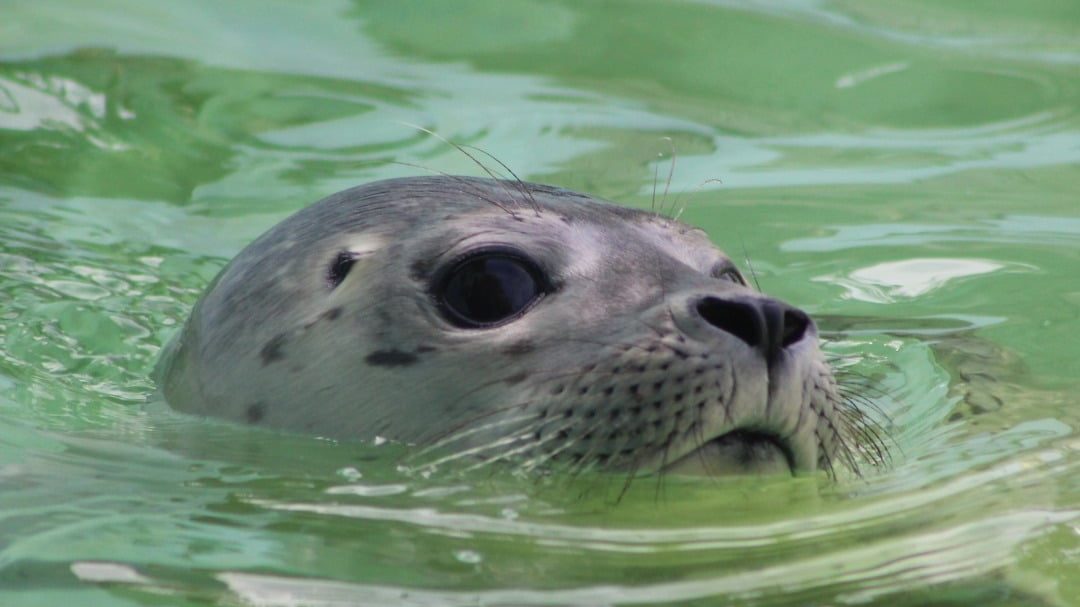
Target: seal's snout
765	324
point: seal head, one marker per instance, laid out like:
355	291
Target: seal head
504	321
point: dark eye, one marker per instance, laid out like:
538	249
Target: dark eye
339	268
489	288
729	273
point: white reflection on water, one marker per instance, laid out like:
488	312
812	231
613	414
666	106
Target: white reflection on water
1015	229
868	572
908	278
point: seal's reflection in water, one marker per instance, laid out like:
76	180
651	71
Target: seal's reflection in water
490	320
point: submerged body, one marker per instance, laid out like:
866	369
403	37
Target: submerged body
503	321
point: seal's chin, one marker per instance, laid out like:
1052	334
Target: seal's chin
740	452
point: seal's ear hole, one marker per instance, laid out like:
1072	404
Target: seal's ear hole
339	268
489	288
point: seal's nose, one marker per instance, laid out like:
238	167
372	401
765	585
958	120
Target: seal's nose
765	324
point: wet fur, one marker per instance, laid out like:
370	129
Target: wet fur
608	371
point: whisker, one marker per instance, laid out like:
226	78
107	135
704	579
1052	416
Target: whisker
458	179
843	447
854	400
522	187
871	428
830	470
657	492
867	433
635	466
508	440
461	149
553	435
671	173
690	197
455	436
656	176
750	265
699	437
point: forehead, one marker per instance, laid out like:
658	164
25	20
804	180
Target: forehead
576	227
629	229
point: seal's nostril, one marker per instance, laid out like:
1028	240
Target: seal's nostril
765	324
795	325
741	319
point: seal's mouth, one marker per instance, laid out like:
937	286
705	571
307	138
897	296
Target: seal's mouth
738	452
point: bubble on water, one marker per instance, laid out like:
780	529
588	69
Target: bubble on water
350	474
470	557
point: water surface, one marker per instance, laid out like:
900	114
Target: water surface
907	174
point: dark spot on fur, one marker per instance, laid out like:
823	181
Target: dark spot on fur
420	269
332	313
391	358
424	349
255	412
517	378
519	347
271	351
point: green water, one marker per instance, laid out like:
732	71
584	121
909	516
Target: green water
909	172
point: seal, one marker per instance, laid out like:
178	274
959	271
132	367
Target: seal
494	320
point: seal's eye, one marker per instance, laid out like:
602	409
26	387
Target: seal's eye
339	268
489	288
728	272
